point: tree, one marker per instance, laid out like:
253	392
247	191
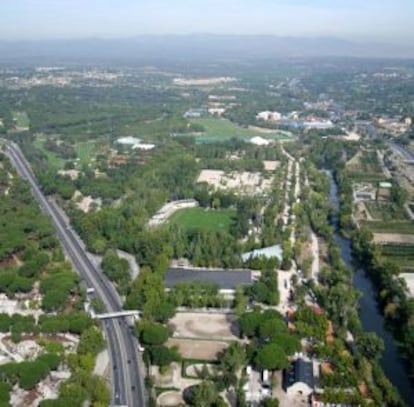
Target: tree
269	402
163	356
249	323
233	358
289	343
271	357
269	328
91	341
203	395
153	333
370	345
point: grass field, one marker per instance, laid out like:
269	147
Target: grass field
364	166
54	161
85	151
385	211
200	218
402	255
21	119
222	129
406	227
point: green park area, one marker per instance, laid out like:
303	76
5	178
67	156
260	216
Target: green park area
400	227
364	166
85	151
205	219
386	211
54	161
218	129
403	255
21	120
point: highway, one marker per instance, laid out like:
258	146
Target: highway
127	381
404	152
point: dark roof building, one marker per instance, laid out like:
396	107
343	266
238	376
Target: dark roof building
299	378
225	279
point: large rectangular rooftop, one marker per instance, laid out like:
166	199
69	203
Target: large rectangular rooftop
225	279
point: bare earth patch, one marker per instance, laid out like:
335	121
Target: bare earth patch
248	183
198	349
170	398
397	238
271	165
196	369
204	326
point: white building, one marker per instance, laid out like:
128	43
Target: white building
259	141
269	116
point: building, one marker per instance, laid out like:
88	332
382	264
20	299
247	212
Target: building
269	116
299	379
226	280
195	113
259	141
268	252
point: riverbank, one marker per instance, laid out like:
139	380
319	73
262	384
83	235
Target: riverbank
392	362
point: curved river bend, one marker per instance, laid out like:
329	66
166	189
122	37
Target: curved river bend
392	363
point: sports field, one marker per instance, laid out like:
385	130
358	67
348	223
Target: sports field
201	218
223	129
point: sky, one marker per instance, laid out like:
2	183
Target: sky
362	20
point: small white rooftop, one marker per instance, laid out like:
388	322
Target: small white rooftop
128	140
143	146
259	141
268	252
385	185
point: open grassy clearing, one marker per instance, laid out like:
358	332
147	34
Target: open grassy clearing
385	211
85	151
21	119
206	219
389	227
403	255
364	166
223	129
54	160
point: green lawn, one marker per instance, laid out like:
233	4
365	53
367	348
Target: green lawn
386	211
21	119
85	151
55	161
406	227
201	218
223	129
403	255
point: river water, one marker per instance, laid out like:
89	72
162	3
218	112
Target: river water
394	366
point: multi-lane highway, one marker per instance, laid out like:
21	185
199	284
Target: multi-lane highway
127	383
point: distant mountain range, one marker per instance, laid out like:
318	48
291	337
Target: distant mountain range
200	47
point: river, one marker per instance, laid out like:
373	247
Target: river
392	363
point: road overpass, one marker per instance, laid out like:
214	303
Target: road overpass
119	314
127	382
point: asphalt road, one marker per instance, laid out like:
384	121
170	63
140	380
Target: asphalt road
405	152
127	382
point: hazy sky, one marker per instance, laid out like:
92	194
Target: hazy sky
380	20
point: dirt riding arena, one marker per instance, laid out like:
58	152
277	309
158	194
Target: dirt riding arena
204	326
245	182
396	238
198	349
170	399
